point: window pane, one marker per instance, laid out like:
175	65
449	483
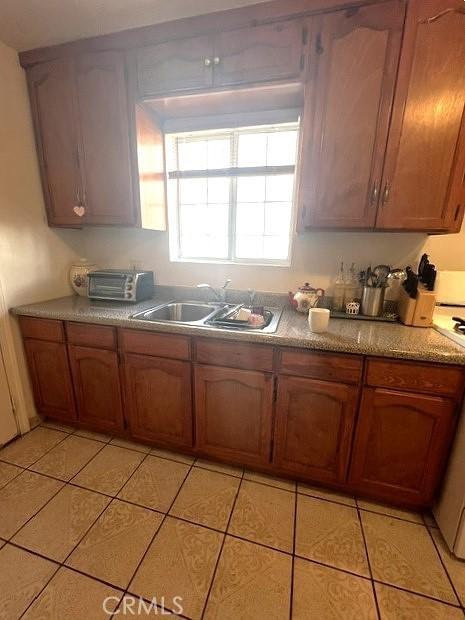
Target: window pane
251	189
252	150
219	153
192	155
192	191
250	218
249	246
279	188
218	190
204	231
276	247
277	217
281	148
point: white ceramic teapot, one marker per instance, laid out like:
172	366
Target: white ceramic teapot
306	297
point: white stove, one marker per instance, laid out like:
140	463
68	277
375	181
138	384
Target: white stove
443	322
450	294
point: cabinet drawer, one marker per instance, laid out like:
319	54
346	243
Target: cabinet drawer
417	377
160	345
234	354
42	329
96	336
341	368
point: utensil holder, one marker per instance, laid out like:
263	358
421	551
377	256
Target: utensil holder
373	300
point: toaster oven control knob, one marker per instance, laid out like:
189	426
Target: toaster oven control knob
128	295
130	279
129	288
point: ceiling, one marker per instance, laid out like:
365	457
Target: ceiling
27	24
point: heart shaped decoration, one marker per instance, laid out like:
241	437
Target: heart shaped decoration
80	211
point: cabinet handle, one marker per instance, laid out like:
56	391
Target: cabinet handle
207	62
387	189
374	194
216	60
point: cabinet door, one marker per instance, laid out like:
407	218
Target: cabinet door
175	66
314	426
97	387
159	399
259	54
401	444
346	115
424	185
104	127
51	379
52	94
234	414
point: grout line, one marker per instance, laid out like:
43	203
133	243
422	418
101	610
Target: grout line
215	569
420	594
294	540
365	544
443	564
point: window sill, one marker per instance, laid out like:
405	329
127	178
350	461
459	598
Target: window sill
241	263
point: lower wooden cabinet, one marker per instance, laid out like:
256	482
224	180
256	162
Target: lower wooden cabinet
233	414
51	379
314	427
97	387
401	445
159	399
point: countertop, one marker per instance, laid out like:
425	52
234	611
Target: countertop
345	335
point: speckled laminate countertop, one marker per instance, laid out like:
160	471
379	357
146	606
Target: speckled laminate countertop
344	335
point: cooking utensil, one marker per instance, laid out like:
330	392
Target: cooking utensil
380	273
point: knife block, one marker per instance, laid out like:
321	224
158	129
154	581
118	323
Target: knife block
416	312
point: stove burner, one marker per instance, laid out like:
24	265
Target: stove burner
459	325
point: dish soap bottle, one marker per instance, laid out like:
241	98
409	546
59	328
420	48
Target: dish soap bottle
338	291
351	292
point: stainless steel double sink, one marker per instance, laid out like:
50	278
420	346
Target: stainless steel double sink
206	315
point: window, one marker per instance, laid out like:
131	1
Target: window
231	194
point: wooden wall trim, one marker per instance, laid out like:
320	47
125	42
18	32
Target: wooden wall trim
189	27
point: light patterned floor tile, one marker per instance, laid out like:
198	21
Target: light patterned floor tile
130	445
331	496
398	605
279	483
116	543
454	566
155	483
391	511
31	447
22	577
326	593
403	554
250	582
8	472
330	533
173	456
180	563
67	458
102	437
72	596
21	498
109	470
265	515
206	498
219	467
60	525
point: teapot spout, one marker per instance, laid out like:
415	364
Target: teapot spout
292	301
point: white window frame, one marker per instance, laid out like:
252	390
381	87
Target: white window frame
174	175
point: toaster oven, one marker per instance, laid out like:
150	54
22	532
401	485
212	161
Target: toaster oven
120	285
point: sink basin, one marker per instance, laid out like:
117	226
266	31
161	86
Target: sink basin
178	312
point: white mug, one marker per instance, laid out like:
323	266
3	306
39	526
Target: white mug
318	319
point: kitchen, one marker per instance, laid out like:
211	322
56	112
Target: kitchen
283	465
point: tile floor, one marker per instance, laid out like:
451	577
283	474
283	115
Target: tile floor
87	519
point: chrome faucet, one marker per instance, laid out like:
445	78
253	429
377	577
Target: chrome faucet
220	294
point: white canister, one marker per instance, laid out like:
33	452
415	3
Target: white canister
318	319
78	273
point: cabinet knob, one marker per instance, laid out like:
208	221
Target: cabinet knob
216	60
207	62
79	210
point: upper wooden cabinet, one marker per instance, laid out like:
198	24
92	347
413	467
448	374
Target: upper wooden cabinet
243	56
80	112
424	176
353	63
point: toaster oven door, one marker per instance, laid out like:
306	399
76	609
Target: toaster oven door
108	286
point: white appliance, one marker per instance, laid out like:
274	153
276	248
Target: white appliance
8	427
449	510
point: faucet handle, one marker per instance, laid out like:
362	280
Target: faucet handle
252	294
227	283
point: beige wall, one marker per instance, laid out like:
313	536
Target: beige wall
34	259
